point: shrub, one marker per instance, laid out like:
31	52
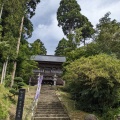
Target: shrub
94	82
8	81
18	83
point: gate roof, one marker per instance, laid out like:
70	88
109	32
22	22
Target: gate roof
49	58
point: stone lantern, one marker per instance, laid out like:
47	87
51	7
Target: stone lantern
55	79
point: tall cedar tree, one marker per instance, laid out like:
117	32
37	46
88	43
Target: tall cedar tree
11	19
70	18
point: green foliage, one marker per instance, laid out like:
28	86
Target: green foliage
87	30
3	112
13	91
28	28
18	83
68	16
18	79
8	81
94	82
13	12
111	114
60	49
31	6
4	103
38	47
108	35
25	66
25	69
78	35
85	51
70	19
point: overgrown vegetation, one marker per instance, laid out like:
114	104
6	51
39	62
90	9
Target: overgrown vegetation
94	82
4	103
15	51
92	71
69	104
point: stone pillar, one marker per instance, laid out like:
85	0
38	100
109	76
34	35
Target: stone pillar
55	79
55	82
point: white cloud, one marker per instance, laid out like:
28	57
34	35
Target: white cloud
96	9
49	35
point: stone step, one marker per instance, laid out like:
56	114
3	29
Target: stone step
52	118
51	115
49	103
50	112
49	106
52	108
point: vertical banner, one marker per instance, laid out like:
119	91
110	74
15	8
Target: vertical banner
40	78
20	104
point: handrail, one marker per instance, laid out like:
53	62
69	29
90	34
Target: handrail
30	110
35	101
34	109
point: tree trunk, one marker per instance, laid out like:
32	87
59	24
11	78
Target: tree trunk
17	51
3	72
1	10
84	41
6	63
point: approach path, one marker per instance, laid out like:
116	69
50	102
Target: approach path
49	107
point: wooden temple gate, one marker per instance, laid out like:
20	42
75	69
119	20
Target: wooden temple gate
50	67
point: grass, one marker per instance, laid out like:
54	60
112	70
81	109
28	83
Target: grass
4	102
11	103
75	114
28	102
69	104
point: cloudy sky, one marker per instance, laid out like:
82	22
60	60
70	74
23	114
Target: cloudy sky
45	22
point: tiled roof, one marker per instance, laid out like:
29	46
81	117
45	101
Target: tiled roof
48	58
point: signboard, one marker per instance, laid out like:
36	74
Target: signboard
20	104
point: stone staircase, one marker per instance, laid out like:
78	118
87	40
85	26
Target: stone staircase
49	107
